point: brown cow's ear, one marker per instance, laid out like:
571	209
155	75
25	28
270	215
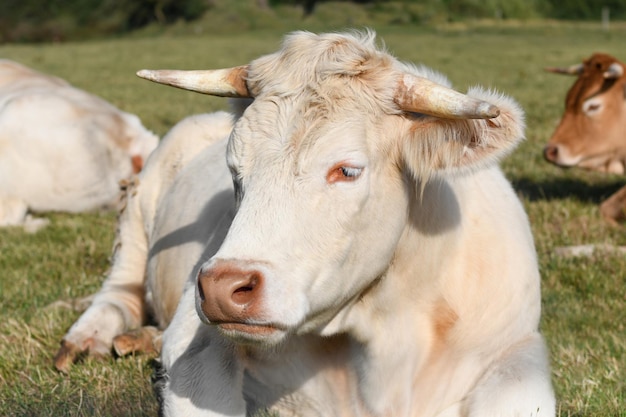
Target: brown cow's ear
431	145
613	72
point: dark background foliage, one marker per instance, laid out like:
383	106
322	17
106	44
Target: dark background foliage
59	20
39	20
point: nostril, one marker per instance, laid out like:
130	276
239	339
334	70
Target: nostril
244	293
551	153
200	283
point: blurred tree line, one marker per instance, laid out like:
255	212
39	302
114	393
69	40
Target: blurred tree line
39	20
50	20
459	9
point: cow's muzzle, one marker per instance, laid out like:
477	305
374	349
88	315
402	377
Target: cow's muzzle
229	295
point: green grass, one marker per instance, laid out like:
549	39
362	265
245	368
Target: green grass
584	302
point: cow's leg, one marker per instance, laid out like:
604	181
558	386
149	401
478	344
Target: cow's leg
146	339
203	375
516	385
613	209
12	211
120	305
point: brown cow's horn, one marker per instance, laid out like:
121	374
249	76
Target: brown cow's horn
420	95
229	82
614	71
571	70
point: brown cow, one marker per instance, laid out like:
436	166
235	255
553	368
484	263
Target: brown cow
592	132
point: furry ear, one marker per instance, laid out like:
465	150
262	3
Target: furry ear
432	145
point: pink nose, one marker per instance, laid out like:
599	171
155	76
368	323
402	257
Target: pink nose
229	293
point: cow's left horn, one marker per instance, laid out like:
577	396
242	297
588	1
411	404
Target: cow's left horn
229	82
614	71
576	69
420	95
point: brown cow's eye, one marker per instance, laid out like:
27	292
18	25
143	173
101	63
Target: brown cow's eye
593	107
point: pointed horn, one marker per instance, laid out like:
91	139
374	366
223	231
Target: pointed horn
614	71
229	82
576	69
420	95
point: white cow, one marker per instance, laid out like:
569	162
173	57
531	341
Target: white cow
370	259
61	149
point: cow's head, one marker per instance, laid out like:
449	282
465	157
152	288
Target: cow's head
326	163
592	131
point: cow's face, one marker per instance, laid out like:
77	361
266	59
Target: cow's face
592	131
326	161
321	209
324	194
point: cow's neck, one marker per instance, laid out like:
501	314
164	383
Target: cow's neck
411	286
408	305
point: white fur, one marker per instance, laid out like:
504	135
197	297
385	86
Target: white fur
410	291
126	297
61	149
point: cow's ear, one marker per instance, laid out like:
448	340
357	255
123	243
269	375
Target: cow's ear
432	145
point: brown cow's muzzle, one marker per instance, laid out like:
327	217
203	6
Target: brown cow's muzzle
559	155
609	162
230	297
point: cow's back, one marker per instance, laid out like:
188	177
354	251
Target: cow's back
65	163
14	76
62	148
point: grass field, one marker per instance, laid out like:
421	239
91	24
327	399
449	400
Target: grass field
584	298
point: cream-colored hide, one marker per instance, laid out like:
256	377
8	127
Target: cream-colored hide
62	149
140	283
368	261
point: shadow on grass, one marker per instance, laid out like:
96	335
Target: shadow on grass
562	188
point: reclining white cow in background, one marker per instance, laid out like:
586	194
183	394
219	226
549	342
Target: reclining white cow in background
370	259
61	149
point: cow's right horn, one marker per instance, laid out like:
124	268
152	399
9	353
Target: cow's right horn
229	82
576	69
420	95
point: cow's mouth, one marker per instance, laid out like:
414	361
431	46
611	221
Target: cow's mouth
609	162
266	335
253	329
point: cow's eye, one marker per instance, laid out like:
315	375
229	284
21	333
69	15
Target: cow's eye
351	172
343	173
592	107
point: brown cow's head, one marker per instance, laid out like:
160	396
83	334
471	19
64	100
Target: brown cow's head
592	132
